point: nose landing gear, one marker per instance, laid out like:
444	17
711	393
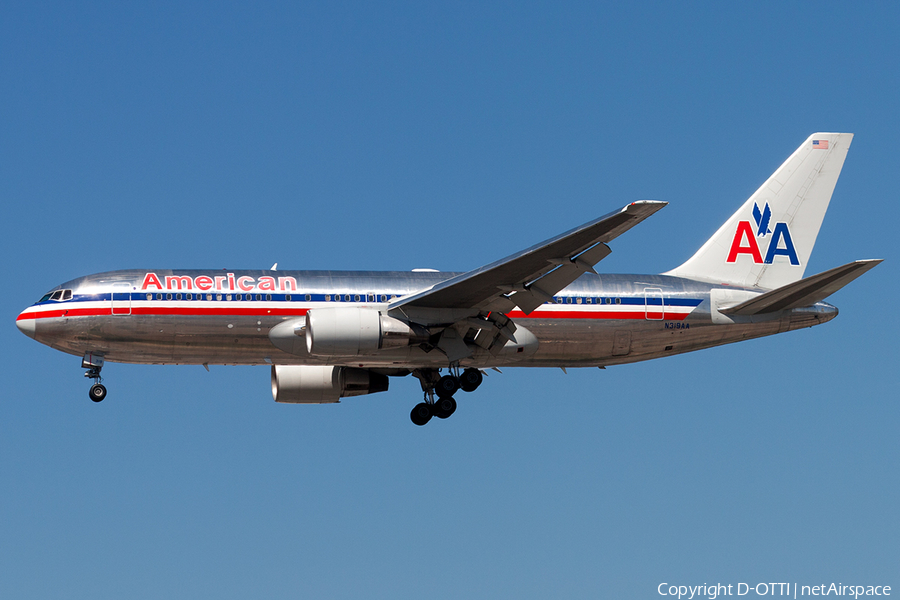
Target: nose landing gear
444	388
93	363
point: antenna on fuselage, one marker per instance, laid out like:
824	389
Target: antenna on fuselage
274	267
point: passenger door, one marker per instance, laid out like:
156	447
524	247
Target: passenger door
121	298
654	309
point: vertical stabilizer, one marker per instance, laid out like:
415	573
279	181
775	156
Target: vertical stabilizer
768	241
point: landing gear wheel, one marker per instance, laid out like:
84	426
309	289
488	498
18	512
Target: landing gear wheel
98	392
421	413
444	407
446	386
470	380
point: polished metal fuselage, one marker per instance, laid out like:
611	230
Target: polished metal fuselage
598	320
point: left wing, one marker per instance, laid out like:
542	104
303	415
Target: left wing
531	277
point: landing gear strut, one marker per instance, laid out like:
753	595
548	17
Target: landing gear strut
433	384
93	363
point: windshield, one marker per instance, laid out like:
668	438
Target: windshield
57	295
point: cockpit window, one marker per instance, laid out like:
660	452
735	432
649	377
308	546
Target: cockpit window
58	295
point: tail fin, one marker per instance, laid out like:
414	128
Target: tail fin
768	241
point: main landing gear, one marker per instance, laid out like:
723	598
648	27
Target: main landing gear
93	364
433	384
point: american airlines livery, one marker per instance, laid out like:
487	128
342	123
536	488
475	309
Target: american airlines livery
333	334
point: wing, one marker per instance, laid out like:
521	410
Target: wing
531	277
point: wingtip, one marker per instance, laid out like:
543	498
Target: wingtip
644	206
869	263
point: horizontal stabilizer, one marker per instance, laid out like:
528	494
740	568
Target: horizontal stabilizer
805	292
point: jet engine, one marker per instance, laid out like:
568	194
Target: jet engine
298	384
357	331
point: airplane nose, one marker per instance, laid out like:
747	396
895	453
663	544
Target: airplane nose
26	326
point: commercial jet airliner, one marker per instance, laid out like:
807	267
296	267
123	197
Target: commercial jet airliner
333	334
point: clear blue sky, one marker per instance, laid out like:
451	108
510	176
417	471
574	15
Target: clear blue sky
396	136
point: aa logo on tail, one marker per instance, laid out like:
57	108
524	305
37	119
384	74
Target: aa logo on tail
746	239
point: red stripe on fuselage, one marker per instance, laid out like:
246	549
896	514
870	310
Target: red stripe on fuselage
175	310
72	312
299	312
571	314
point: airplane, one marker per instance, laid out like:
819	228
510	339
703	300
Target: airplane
328	335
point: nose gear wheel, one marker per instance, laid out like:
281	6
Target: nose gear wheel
97	392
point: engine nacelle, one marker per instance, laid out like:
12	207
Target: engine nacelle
299	384
357	331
